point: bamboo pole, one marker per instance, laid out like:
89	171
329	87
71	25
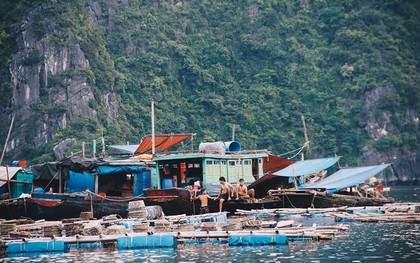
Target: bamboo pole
7	138
15	181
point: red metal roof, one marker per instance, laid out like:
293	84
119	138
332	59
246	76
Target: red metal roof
162	141
274	163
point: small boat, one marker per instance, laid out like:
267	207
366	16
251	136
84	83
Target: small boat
332	191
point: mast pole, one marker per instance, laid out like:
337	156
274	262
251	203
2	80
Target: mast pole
233	131
153	127
308	150
7	138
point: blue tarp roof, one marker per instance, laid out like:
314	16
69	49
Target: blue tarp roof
307	167
346	177
125	148
111	169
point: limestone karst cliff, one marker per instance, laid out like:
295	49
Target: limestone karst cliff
80	69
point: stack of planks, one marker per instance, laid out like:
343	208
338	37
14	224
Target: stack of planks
52	230
278	212
72	229
36	229
163	226
137	209
140	228
208	226
312	232
6	228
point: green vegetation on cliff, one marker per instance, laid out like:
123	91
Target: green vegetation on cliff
259	64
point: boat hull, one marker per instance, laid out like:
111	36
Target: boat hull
173	202
314	199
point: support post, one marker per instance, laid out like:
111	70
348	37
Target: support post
96	184
83	149
60	182
103	145
192	142
94	149
8	181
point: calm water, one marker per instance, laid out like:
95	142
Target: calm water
364	242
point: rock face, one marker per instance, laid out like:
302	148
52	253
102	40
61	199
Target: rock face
59	79
50	87
379	125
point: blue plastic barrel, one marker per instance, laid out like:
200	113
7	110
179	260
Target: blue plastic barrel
233	146
141	182
167	183
39	190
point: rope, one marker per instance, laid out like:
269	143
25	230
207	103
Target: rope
292	151
289	201
114	200
300	150
312	202
50	181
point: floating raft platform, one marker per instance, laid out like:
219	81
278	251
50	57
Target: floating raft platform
396	213
244	229
171	239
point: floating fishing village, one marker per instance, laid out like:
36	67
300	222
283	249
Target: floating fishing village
219	194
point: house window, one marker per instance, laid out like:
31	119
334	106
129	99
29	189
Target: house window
259	161
223	162
231	163
190	165
216	162
247	162
208	162
196	165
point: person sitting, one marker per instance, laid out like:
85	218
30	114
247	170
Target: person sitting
242	191
204	199
225	192
378	188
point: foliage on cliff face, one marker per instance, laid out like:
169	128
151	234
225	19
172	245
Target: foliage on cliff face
259	64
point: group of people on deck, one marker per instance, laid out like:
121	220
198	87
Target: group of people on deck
226	192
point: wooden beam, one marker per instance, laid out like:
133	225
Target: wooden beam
15	181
